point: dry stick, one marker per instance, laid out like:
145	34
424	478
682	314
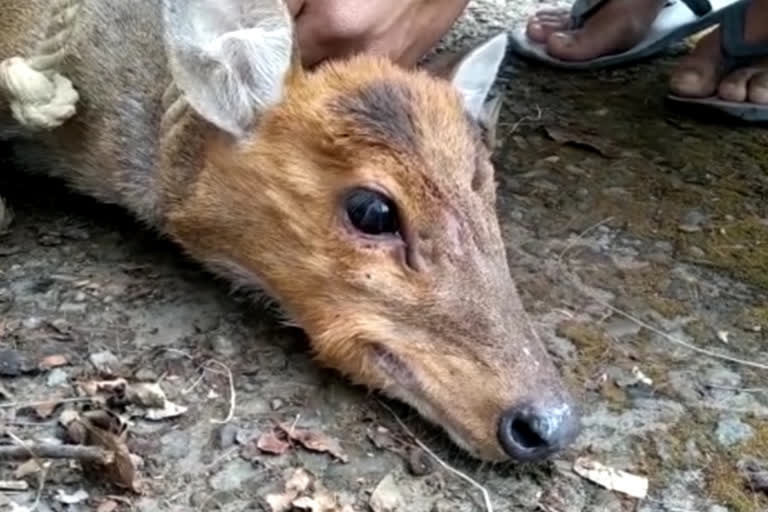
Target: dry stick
463	476
55	451
43	468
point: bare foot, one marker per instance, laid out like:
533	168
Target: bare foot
616	27
702	73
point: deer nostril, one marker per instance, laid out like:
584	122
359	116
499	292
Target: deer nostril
527	433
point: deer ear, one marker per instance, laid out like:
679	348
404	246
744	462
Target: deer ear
230	58
474	75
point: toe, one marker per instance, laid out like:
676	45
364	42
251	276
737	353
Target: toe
542	25
758	87
698	74
733	86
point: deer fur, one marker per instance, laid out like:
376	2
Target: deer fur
195	116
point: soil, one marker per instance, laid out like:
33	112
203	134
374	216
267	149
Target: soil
634	232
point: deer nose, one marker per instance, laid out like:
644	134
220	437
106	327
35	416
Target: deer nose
530	433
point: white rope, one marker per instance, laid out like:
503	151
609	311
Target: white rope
40	97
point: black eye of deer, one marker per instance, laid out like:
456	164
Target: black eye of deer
371	212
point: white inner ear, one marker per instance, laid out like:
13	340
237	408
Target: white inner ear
229	57
476	73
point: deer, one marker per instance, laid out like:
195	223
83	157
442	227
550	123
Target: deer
358	195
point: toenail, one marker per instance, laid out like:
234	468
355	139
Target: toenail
563	37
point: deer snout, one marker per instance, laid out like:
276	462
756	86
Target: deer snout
531	432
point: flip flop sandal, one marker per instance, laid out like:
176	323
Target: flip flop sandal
736	53
677	20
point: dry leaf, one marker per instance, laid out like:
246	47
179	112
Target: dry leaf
107	506
71	499
268	442
299	481
122	471
315	441
14	485
53	361
27	468
611	478
386	496
280	502
169	410
581	138
146	394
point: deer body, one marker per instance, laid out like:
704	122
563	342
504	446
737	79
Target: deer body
360	196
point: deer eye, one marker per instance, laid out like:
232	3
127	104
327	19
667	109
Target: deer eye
372	212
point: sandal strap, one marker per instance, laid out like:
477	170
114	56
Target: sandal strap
732	43
582	10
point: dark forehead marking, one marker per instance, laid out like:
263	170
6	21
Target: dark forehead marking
383	112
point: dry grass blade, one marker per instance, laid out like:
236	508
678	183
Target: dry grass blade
445	465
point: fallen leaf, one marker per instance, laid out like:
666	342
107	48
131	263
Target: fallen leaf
122	471
27	468
71	499
14	485
386	496
611	478
582	138
268	442
280	502
315	441
53	361
169	410
45	408
299	482
107	506
146	394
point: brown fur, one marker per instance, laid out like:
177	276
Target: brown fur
432	318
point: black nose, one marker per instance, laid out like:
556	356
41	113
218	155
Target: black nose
529	433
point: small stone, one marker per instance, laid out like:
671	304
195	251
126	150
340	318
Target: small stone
80	297
11	363
72	307
105	362
225	436
732	431
387	496
224	346
145	375
57	377
6	300
693	221
419	462
276	403
32	322
696	252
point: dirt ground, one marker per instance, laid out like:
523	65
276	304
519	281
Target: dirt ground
610	202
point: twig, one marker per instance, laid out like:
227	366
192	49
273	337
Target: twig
463	476
55	451
520	121
232	395
43	468
581	237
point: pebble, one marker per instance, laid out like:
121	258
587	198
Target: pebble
226	435
223	345
276	403
696	252
72	307
105	362
233	475
56	378
6	300
693	221
387	496
11	363
732	430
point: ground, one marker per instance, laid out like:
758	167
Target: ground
610	202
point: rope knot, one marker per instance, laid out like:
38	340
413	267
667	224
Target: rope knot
37	101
